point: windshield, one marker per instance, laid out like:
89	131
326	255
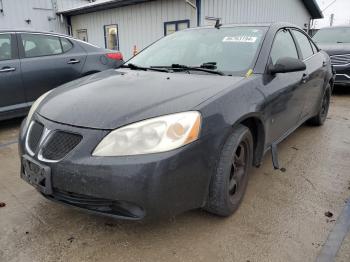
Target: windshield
232	50
333	35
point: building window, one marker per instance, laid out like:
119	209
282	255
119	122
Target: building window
111	37
82	35
172	27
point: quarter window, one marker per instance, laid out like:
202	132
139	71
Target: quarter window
172	27
283	46
35	45
66	45
5	47
304	44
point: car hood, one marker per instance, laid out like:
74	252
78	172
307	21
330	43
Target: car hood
335	49
115	98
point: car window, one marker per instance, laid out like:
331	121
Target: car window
283	46
304	44
66	45
5	47
40	45
332	35
231	49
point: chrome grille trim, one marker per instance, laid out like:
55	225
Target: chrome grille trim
340	60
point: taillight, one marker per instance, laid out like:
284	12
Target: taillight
115	56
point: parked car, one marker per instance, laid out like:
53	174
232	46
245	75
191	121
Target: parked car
32	63
179	126
336	42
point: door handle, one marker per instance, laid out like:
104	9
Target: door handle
73	61
7	69
305	78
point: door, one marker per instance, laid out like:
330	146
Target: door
11	90
48	61
315	73
283	91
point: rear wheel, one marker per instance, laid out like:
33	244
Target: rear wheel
231	178
321	116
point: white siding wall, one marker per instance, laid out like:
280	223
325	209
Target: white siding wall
255	11
139	24
38	11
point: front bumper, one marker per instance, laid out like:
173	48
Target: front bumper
130	187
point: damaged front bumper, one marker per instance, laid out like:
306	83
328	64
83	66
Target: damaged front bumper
129	187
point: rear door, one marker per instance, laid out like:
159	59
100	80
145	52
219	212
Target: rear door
283	91
316	68
11	90
48	61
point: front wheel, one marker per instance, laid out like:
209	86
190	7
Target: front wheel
230	181
321	116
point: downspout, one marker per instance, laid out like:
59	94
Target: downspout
199	6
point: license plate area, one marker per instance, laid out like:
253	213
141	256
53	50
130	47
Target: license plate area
37	175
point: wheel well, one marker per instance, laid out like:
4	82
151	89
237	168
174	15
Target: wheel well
257	130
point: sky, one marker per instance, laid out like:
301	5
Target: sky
340	9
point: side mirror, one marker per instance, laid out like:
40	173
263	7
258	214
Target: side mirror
287	65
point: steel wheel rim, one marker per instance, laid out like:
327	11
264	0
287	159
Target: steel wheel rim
238	170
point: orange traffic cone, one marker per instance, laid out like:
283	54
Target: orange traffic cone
135	50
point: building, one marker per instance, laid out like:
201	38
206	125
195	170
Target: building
38	15
126	24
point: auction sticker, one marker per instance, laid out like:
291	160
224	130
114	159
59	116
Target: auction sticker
242	39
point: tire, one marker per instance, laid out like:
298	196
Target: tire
230	181
321	116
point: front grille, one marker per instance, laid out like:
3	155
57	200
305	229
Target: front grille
340	59
34	136
59	145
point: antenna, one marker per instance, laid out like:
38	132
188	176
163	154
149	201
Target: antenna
217	23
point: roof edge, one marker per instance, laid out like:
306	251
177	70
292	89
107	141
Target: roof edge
313	8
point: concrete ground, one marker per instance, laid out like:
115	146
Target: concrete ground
282	217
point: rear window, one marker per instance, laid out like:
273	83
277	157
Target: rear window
304	44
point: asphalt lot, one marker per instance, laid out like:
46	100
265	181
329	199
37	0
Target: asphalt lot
282	217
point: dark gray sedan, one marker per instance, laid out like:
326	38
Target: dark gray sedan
180	125
32	63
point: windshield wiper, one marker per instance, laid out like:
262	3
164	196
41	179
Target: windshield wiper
205	67
136	67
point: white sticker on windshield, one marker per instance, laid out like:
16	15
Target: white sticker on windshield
242	39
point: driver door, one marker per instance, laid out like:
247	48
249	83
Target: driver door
283	91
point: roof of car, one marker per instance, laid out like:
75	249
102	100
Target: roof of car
31	31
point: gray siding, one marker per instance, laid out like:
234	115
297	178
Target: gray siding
38	11
42	14
139	24
255	11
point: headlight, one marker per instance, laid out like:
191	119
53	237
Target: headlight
154	135
34	107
